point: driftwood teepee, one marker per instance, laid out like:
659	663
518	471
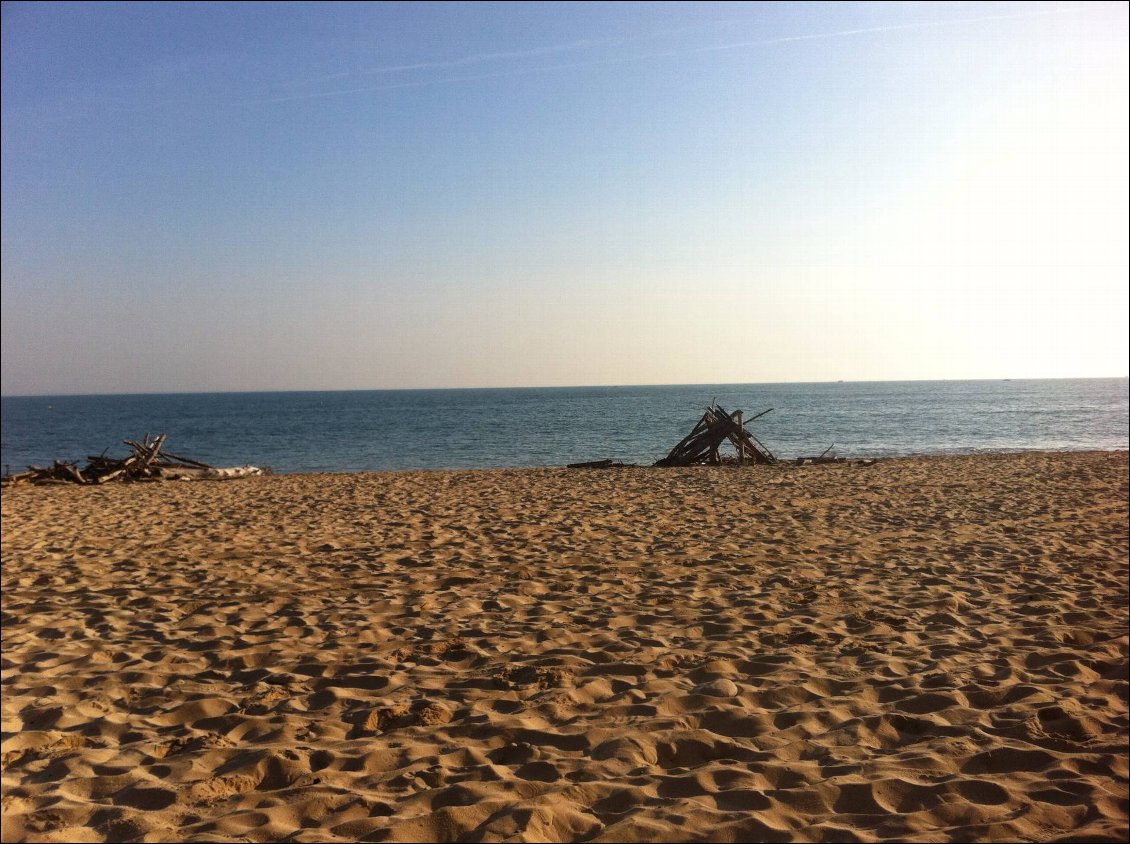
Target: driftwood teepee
147	462
716	427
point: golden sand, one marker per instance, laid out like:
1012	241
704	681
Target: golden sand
922	649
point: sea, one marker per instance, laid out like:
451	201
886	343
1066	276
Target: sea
376	430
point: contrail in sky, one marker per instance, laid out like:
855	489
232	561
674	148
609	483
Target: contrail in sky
568	47
687	51
480	58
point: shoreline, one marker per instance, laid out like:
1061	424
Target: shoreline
782	463
925	647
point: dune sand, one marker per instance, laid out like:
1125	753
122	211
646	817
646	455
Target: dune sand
922	649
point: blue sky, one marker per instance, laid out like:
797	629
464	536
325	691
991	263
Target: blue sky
290	196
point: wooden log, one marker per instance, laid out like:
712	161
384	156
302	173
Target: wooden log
695	452
695	431
69	471
180	459
18	478
741	438
154	450
766	456
144	454
745	443
145	447
123	467
694	446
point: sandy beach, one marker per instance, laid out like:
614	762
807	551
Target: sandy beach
922	649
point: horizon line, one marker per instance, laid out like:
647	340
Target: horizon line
558	386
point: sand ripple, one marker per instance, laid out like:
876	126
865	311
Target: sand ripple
917	650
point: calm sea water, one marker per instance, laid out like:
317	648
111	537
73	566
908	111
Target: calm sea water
439	429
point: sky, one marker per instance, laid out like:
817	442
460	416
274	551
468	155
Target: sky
287	196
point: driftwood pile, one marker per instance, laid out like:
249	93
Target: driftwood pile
599	464
716	426
146	462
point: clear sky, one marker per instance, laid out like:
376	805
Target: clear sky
289	196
